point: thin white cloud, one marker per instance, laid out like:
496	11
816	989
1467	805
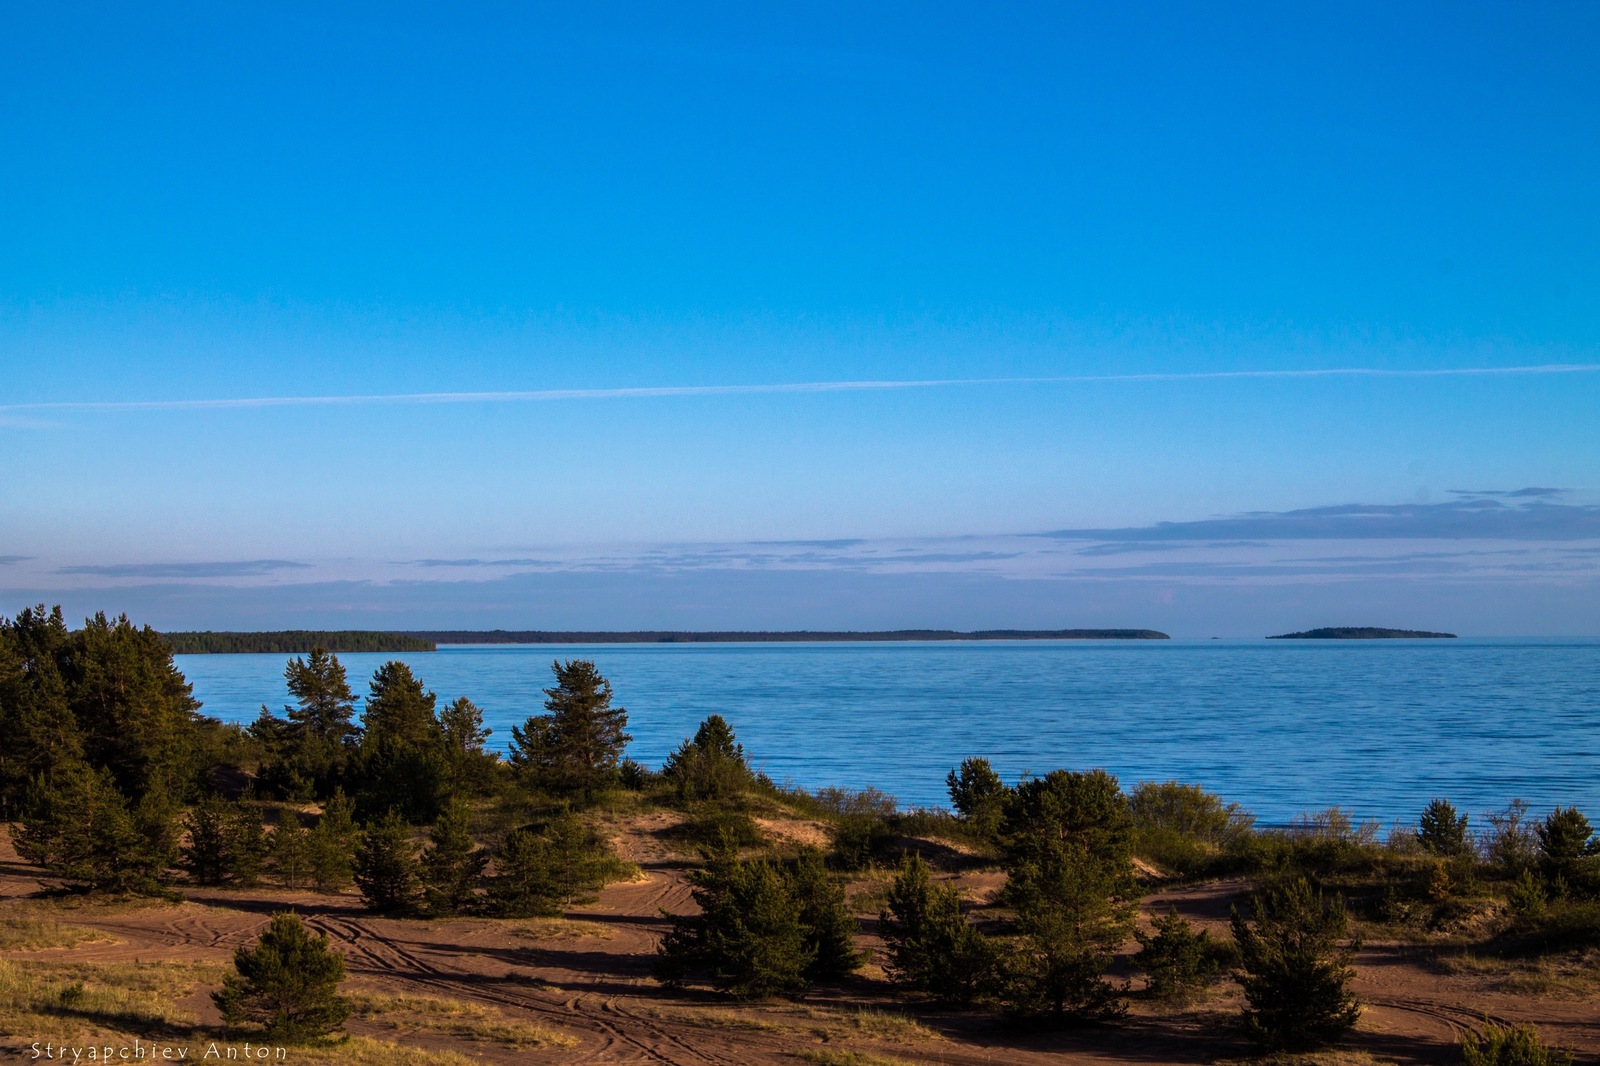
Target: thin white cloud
672	391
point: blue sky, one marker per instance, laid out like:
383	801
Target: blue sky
1079	223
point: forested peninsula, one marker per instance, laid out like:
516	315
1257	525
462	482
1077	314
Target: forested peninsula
1359	633
540	636
293	642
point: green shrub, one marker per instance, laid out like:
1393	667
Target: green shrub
710	766
1510	1046
1511	845
978	796
541	870
1174	957
288	984
386	865
1443	832
763	930
452	863
1295	968
709	823
931	948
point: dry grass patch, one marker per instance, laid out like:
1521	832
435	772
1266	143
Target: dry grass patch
1330	1057
833	1057
41	996
41	934
366	1051
719	1018
454	1017
559	929
1569	976
881	1025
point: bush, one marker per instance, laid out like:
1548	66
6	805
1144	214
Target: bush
763	930
1296	971
862	830
711	766
1174	957
288	984
1508	1046
1183	827
1511	845
330	844
930	946
1443	832
1564	842
709	823
541	870
386	865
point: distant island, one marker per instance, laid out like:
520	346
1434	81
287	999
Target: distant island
1359	633
540	636
292	642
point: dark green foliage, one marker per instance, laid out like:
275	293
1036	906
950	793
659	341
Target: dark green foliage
401	763
291	850
471	767
330	845
135	712
575	748
247	846
1510	1046
292	642
711	766
312	745
81	829
209	829
1066	843
763	930
1528	896
1174	957
288	984
39	734
1295	968
1564	842
710	822
861	824
227	843
931	947
830	926
1183	828
386	865
978	796
1441	831
540	871
452	863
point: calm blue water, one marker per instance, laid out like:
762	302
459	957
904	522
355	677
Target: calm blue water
1378	727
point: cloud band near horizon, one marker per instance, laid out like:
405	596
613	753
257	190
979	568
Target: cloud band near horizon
773	388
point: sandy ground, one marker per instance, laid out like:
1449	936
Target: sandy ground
587	976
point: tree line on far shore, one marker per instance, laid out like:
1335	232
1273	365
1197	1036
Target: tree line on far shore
119	784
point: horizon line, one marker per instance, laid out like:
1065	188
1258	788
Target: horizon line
771	388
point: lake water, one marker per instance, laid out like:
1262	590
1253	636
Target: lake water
1377	727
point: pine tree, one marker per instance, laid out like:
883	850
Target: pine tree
930	945
452	863
471	767
575	748
541	871
1066	842
247	845
1443	832
291	850
711	766
288	984
39	735
210	842
80	829
978	795
1296	968
331	844
400	764
318	729
1564	840
386	865
829	924
1174	957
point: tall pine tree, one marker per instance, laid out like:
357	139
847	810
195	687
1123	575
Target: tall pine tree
576	747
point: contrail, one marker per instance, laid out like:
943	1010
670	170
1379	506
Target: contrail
668	391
